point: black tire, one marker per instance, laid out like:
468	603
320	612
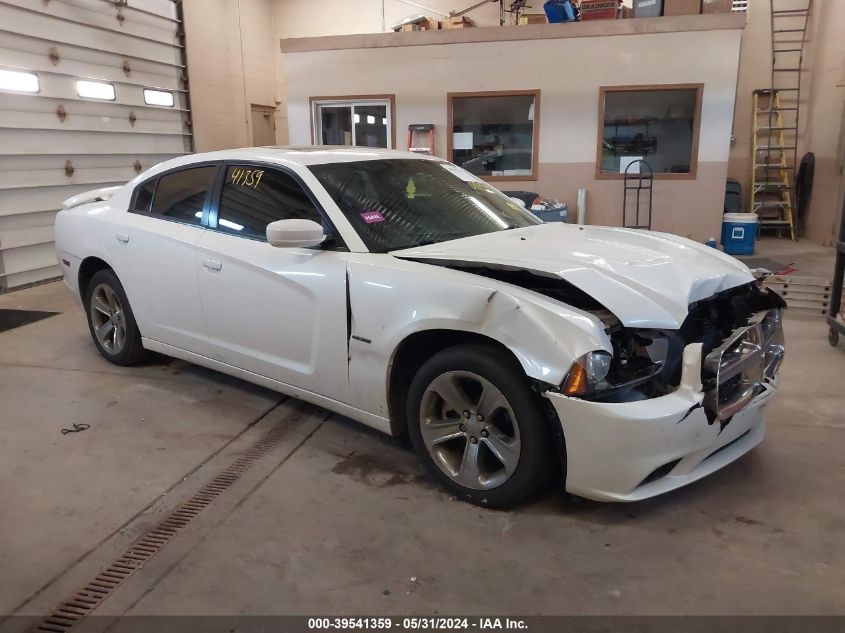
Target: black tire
130	351
536	444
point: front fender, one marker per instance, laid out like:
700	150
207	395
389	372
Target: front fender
391	299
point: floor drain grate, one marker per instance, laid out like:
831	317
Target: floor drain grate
88	598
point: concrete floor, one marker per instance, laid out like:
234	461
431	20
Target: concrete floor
341	520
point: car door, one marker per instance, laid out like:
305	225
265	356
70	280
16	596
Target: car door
157	256
276	312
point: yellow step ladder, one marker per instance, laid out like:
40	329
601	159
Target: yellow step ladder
771	190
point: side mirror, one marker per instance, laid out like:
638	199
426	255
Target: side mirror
518	201
297	233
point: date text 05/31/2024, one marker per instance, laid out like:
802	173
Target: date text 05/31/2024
417	623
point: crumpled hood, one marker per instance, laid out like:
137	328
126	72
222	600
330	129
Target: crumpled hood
646	279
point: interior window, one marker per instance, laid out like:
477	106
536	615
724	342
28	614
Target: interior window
495	135
656	125
144	196
180	196
253	197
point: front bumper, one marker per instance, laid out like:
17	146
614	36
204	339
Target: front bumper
635	450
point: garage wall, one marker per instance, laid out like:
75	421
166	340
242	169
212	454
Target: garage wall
421	75
237	63
822	103
55	144
824	120
231	52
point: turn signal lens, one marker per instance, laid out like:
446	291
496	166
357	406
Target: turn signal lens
576	380
586	373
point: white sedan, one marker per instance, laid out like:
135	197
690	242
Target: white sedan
404	292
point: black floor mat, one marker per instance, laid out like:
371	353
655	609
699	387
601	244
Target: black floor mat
10	319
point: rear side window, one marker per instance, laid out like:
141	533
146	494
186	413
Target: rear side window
144	197
253	197
181	195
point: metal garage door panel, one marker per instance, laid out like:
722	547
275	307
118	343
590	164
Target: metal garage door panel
32	236
138	25
36	24
99	124
70	67
37	199
47	103
83	53
117	172
55	144
51	142
21	260
28	220
37	164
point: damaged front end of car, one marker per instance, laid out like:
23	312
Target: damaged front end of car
674	405
742	347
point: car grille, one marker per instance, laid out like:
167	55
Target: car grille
736	371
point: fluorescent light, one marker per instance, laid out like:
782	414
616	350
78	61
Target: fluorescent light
489	213
18	81
371	119
95	90
384	120
158	97
230	225
357	118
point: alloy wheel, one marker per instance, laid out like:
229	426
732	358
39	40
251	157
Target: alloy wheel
470	430
108	319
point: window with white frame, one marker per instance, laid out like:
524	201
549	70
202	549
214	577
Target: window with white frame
355	121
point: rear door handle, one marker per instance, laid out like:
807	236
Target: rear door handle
212	264
122	238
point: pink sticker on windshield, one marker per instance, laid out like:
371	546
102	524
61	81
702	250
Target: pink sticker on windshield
372	216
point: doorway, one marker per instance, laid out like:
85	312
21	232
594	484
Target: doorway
263	125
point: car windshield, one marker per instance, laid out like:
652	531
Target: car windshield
401	203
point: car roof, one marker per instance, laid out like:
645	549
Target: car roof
302	155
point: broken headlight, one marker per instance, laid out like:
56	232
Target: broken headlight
643	364
587	373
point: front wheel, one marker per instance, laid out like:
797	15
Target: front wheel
478	427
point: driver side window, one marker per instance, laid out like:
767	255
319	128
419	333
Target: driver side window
254	196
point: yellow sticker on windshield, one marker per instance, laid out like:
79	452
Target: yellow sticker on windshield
411	189
479	186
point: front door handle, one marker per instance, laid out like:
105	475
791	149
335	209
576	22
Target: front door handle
123	238
212	264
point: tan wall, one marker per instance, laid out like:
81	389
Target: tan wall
234	61
231	49
823	94
823	118
569	108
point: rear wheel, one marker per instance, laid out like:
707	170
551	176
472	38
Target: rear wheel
111	321
478	427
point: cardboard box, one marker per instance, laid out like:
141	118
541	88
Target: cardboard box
681	7
532	18
716	6
456	22
423	25
599	9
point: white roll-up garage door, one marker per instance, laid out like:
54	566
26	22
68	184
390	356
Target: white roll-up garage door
58	137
